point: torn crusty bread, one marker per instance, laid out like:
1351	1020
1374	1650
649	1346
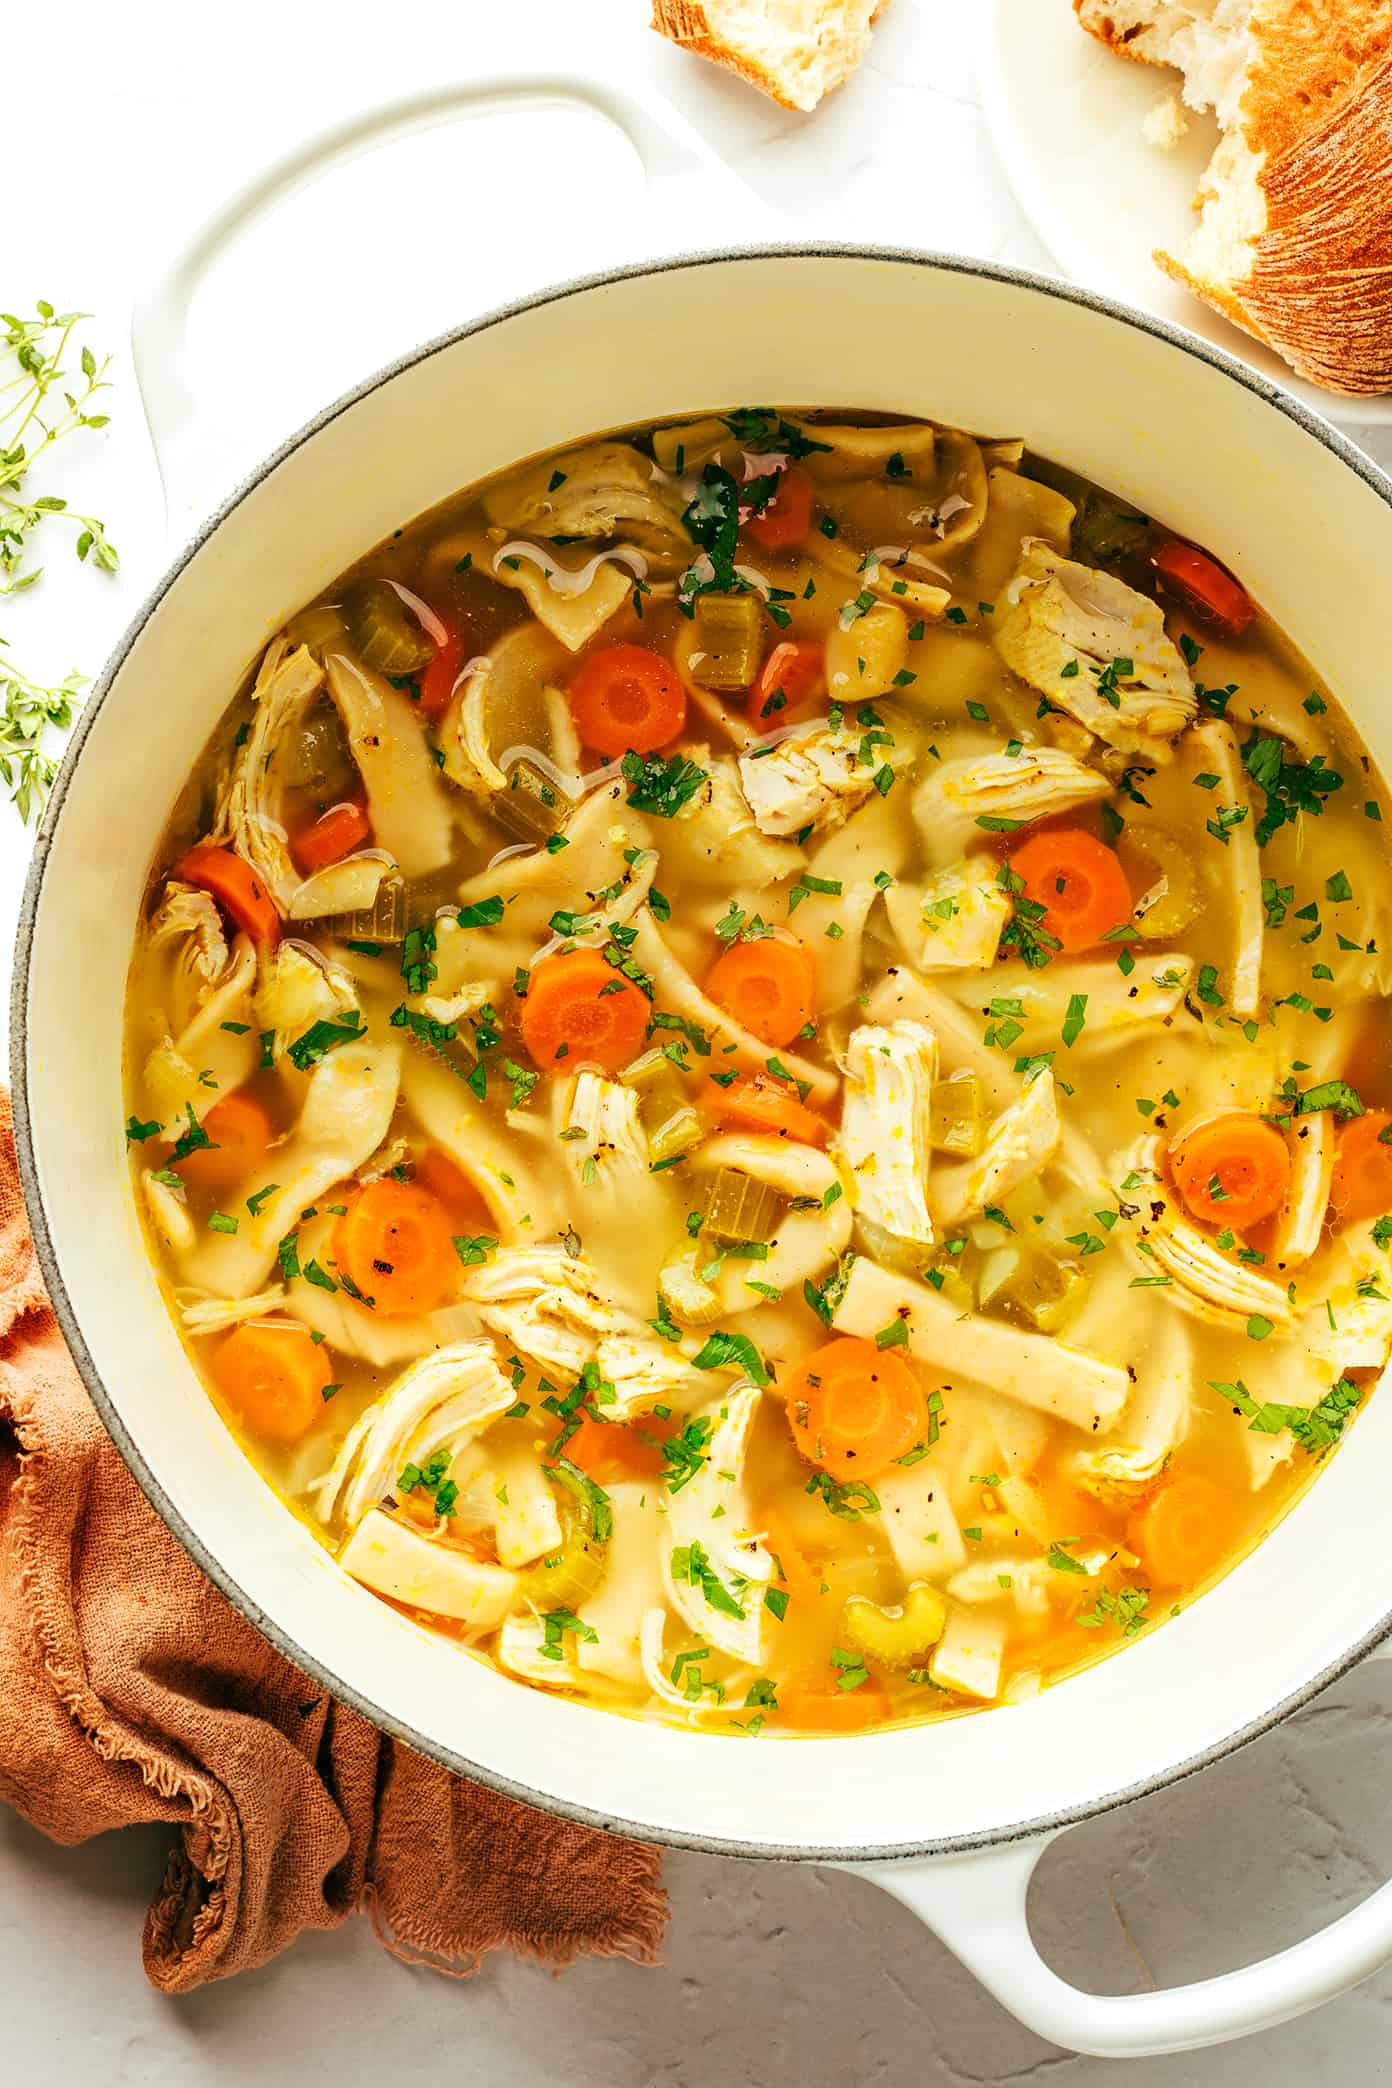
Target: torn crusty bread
1294	239
795	50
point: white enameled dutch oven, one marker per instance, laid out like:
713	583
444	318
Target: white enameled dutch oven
951	1818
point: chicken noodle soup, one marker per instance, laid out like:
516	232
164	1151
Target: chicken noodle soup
756	1072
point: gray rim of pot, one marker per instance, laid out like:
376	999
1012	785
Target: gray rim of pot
714	1844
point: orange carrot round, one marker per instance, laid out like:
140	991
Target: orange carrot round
436	681
1362	1184
1233	1169
239	1130
1195	578
606	1450
236	887
791	683
787	517
758	1102
853	1408
395	1245
795	1572
273	1375
334	834
814	1706
627	697
580	1011
1079	883
769	986
1183	1532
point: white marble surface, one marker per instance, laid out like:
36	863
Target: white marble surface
117	123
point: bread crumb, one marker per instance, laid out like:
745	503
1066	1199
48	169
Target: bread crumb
1165	122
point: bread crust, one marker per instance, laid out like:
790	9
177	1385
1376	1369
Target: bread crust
1316	114
686	22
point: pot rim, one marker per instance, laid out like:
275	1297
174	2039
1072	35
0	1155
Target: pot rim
1034	281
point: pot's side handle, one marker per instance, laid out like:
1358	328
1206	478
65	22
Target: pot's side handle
976	1904
197	457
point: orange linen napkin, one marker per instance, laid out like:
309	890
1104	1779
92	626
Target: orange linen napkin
131	1690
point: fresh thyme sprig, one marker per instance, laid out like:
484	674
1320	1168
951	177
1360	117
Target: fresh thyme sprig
37	412
28	710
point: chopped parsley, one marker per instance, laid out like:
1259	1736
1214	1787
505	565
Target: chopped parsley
661	787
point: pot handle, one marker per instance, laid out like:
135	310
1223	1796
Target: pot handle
198	458
976	1905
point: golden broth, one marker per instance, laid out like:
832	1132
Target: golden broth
539	1053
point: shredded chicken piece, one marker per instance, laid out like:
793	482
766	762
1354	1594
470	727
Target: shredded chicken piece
1097	650
813	779
1020	1145
714	840
710	1516
442	1403
886	1126
298	987
550	1305
953	922
1129	1460
1037	783
603	489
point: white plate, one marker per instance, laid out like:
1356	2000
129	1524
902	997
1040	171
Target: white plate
1066	117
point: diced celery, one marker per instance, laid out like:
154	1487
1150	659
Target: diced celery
685	1292
647	1069
729	640
384	921
386	635
900	1636
1042	1292
740	1209
565	1578
677	1133
531	807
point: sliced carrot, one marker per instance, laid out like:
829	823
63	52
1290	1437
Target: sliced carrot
1184	1531
606	1450
1079	883
580	1011
239	1130
627	697
1195	578
791	682
787	517
465	1203
853	1408
1362	1184
796	1574
236	887
334	834
395	1245
273	1376
758	1102
1233	1169
769	986
436	682
812	1706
